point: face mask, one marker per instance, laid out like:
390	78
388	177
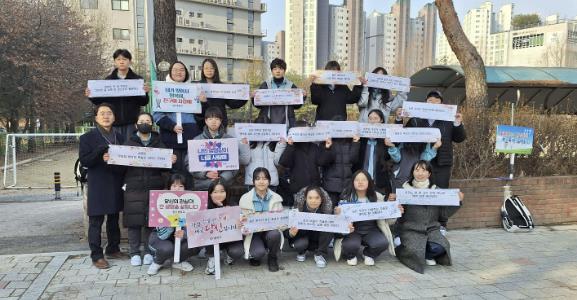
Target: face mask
144	128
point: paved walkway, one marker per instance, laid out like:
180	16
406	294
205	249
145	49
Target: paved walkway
488	264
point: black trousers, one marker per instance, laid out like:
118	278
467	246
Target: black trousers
374	240
315	241
95	233
441	177
433	250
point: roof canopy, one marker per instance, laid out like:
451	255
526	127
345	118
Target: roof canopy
544	88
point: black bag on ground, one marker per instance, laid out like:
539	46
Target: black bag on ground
515	215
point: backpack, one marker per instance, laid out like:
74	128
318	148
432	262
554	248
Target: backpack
80	174
515	215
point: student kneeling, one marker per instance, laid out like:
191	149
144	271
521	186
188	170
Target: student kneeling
311	199
375	235
262	199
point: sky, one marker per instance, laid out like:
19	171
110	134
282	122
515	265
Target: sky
273	19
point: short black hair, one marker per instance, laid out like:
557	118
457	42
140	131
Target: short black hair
186	74
147	114
213	112
333	65
378	112
176	177
122	52
277	62
103	104
435	94
258	171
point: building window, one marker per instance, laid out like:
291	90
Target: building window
178	12
89	4
120	4
528	41
191	41
199	15
179	40
200	42
191	14
120	34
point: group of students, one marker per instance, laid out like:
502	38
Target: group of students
322	176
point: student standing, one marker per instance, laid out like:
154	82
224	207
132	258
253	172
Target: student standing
126	109
105	186
382	99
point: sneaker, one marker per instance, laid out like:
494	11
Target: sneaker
431	262
254	262
184	266
210	266
273	264
397	241
301	257
320	261
369	261
228	260
148	259
153	269
443	230
352	261
136	261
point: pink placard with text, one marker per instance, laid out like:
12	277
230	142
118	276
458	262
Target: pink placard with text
169	208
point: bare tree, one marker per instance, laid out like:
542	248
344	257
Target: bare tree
469	58
165	31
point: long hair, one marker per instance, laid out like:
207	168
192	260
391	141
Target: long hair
385	94
216	77
425	165
349	193
211	188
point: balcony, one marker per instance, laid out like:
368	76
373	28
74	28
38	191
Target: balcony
186	22
233	4
181	49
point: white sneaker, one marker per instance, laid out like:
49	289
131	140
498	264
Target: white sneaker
184	266
301	257
148	259
136	261
320	261
228	260
210	266
352	261
369	261
431	262
153	269
443	230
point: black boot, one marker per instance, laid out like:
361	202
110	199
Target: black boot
272	263
254	262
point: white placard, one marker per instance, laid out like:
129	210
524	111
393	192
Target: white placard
175	97
341	129
414	135
376	131
144	157
258	132
388	82
309	134
355	212
438	197
225	91
265	221
266	97
318	222
213	155
116	88
337	77
423	110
